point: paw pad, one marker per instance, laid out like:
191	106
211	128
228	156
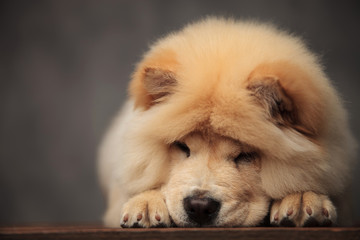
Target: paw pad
286	222
311	222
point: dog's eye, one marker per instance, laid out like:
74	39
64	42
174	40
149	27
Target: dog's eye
245	157
183	147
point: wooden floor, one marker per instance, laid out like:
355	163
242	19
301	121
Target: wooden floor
89	232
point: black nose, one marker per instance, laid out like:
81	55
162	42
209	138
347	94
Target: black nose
201	210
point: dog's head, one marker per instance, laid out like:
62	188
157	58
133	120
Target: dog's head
215	181
241	112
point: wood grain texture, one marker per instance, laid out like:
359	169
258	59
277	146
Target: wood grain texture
89	232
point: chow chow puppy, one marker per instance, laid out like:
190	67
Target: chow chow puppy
227	122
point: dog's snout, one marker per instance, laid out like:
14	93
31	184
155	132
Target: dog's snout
201	210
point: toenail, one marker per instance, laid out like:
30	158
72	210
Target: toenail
289	212
325	212
139	217
157	217
126	218
308	210
276	217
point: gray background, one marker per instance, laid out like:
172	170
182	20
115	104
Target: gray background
64	68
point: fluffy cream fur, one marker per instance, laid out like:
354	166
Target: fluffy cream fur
219	85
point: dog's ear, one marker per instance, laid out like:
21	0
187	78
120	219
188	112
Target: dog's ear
154	80
269	93
289	97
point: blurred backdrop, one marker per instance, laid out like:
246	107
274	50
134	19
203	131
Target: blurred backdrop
64	69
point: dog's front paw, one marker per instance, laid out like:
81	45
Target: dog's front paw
147	209
303	210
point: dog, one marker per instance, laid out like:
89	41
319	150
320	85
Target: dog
227	122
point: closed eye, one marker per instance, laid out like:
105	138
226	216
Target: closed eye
245	157
183	147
